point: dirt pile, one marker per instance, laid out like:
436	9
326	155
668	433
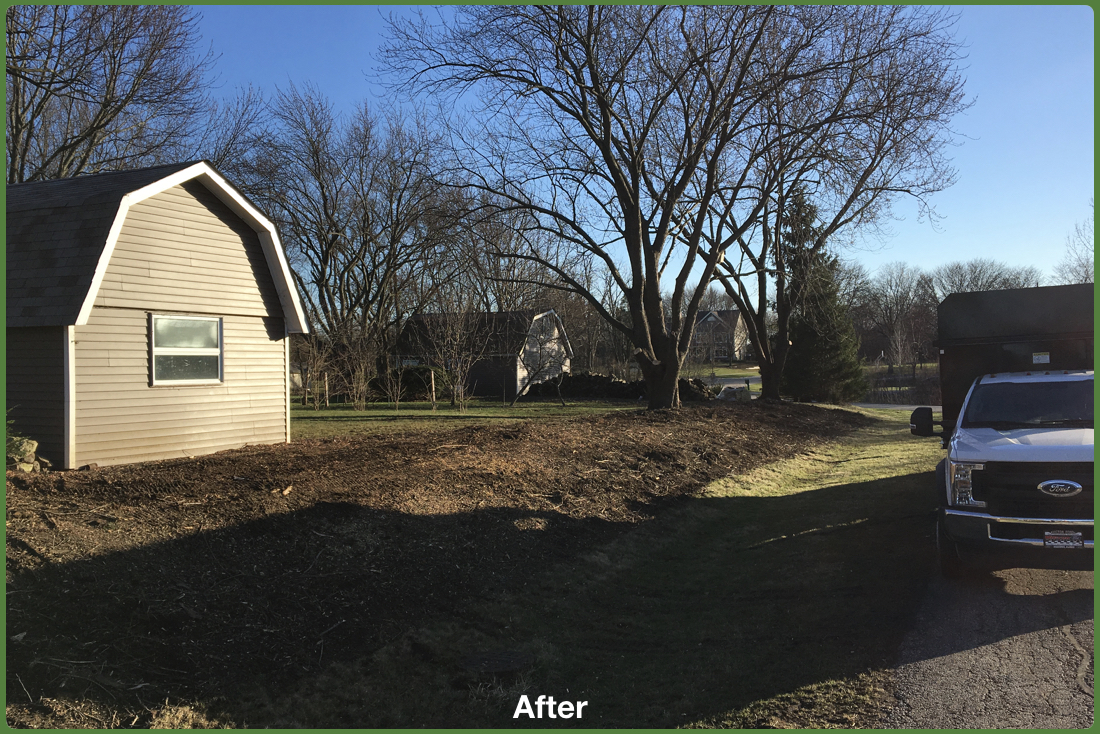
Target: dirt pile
603	387
214	578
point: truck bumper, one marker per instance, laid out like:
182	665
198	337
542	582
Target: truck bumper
1019	541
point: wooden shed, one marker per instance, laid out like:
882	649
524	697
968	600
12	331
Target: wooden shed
513	349
147	317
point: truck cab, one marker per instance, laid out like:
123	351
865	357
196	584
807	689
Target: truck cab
1018	478
1016	487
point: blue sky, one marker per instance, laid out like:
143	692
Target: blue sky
1025	166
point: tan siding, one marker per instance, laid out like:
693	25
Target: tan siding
183	250
36	387
180	251
120	418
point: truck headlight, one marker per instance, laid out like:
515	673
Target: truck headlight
961	483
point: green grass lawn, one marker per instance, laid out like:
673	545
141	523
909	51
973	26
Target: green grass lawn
927	369
342	420
740	369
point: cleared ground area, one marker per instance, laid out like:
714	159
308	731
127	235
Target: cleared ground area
379	581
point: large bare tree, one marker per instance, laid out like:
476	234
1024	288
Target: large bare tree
981	274
364	226
898	305
653	139
101	87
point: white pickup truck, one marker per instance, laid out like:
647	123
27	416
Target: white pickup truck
1018	478
1016	383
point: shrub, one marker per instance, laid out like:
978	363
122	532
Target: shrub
602	387
416	383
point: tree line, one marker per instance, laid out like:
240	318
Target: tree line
621	165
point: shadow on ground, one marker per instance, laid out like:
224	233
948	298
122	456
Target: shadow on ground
302	619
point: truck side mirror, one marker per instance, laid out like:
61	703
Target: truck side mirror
920	422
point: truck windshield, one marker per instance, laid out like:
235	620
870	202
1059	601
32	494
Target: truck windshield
1006	405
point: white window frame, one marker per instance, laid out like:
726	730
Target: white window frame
155	351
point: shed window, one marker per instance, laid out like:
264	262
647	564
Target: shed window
186	350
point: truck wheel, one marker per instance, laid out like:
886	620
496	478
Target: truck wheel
951	566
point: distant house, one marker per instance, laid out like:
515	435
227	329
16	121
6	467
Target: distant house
147	317
508	351
720	336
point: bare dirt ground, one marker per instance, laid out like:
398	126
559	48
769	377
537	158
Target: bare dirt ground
239	574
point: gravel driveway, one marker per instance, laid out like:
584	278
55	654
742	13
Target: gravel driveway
1011	649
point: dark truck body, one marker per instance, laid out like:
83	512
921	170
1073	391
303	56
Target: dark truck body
1003	331
1014	495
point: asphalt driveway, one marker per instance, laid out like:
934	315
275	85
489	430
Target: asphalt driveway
1012	649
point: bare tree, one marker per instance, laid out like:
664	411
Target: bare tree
353	360
1078	264
852	132
313	355
981	274
365	228
101	87
233	133
894	300
665	135
853	284
498	282
454	338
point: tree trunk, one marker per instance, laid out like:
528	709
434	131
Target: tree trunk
661	381
771	372
769	381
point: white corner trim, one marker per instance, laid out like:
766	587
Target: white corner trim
69	360
294	316
286	376
228	195
104	259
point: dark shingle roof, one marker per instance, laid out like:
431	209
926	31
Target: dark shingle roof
502	333
56	231
727	316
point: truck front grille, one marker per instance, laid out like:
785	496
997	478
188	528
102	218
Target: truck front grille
1012	489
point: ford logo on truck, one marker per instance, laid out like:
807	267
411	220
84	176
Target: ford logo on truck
1060	488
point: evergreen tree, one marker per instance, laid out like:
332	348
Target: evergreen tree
823	362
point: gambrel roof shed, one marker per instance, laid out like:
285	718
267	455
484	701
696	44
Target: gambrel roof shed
147	316
61	235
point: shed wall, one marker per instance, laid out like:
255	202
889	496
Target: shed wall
544	354
182	251
36	386
120	418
